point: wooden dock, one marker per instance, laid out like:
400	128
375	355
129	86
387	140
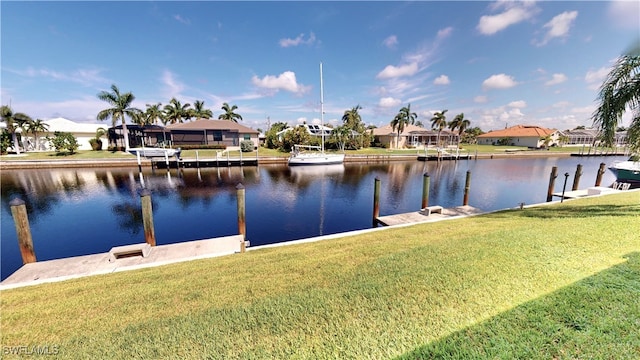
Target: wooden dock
444	157
203	163
417	217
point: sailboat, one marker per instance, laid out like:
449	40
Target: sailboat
315	155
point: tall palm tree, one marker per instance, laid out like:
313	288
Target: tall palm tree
229	113
120	108
175	112
403	118
14	122
621	90
35	127
352	119
439	122
199	111
153	113
460	123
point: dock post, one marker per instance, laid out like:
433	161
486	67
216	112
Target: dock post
576	178
552	182
467	185
566	176
147	217
139	163
376	201
242	230
601	171
197	160
19	212
425	190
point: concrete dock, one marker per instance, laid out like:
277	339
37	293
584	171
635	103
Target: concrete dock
418	216
104	263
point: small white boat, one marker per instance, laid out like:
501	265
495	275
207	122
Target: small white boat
626	171
315	155
150	152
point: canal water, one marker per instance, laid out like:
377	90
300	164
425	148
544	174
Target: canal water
76	212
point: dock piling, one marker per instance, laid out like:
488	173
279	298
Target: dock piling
425	190
376	201
19	213
576	178
467	185
552	181
601	171
564	187
242	230
147	217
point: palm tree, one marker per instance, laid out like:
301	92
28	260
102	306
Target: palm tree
621	89
199	112
229	114
439	122
153	114
403	118
35	127
460	123
175	112
120	107
352	119
14	121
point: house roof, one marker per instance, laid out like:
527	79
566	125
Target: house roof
207	124
520	131
66	125
408	129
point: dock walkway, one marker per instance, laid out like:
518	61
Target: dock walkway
417	217
95	264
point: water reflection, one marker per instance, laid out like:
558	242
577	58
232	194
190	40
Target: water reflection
82	211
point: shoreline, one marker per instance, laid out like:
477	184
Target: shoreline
21	163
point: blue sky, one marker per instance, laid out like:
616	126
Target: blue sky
500	63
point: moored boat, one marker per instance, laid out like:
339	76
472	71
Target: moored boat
150	152
626	171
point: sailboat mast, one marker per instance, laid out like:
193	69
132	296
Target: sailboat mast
321	108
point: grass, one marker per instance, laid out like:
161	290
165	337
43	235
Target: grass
558	281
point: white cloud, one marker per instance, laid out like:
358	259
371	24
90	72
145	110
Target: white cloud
444	33
389	102
481	99
173	87
561	104
594	78
514	12
556	79
500	81
559	26
441	80
390	41
624	14
84	77
181	19
285	81
397	71
298	40
518	104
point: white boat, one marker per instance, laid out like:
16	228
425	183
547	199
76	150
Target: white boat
626	171
150	152
315	155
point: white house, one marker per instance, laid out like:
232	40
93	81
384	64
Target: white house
83	132
520	135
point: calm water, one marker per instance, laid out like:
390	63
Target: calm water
83	211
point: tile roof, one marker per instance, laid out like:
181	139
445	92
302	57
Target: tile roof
519	131
207	124
387	130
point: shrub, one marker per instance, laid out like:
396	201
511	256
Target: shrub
64	141
247	146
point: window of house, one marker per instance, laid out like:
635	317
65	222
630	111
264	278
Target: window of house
247	136
217	135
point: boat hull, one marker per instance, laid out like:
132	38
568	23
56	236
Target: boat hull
626	171
315	159
155	152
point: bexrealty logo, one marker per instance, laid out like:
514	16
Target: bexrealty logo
31	350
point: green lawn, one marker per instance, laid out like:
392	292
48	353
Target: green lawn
560	281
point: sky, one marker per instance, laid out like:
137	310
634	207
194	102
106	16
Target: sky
499	63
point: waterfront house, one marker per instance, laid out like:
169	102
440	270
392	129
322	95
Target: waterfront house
591	137
83	132
211	132
413	137
530	136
